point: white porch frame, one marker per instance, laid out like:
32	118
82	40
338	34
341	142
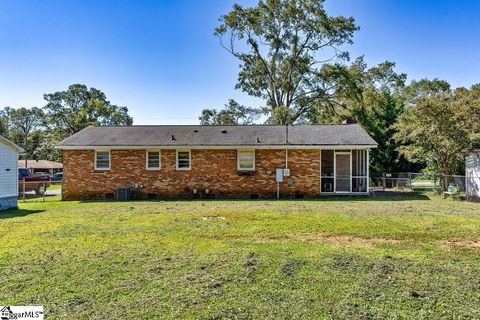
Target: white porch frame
350	153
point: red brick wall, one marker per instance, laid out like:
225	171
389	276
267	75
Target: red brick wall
212	169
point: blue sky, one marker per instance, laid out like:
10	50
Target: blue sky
160	58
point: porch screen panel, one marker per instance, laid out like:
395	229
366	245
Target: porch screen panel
327	171
343	172
359	170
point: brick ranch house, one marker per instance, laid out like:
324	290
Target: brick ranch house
216	161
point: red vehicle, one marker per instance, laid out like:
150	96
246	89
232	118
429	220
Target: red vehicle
27	181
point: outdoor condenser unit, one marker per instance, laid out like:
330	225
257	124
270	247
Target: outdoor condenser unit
123	193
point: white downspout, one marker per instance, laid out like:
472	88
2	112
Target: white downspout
286	158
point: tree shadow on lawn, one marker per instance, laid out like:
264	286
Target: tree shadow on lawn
387	196
33	195
14	213
377	196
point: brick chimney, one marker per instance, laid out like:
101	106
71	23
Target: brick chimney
349	120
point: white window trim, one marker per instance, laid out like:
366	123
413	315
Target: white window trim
238	160
109	160
159	160
189	157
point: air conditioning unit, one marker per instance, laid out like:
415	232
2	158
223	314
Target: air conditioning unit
124	193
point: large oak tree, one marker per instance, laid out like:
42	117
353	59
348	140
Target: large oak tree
79	107
440	125
283	47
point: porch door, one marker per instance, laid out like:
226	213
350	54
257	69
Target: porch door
343	172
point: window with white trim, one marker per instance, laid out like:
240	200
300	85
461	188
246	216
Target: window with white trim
153	160
246	160
184	160
102	160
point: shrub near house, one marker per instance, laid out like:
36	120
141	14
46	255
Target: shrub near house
216	161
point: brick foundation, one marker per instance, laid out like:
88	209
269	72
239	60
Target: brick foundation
212	169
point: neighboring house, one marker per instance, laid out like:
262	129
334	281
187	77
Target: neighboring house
472	176
45	166
216	161
8	173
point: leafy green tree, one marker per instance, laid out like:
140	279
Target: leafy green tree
79	107
233	113
375	98
44	146
384	110
24	121
66	112
283	47
440	127
426	88
5	122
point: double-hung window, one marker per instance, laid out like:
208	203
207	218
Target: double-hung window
184	161
246	160
102	160
153	160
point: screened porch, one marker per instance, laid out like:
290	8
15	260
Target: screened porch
344	171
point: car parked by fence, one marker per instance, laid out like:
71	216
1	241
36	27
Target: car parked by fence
28	181
57	176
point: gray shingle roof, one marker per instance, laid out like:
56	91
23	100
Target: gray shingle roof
197	135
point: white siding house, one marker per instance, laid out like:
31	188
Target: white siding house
472	177
8	173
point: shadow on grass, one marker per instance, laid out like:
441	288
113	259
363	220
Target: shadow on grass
32	195
14	213
381	196
377	196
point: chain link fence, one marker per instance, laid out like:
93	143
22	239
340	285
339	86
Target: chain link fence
418	182
39	190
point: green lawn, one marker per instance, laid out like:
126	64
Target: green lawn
415	256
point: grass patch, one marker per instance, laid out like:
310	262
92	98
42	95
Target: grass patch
412	256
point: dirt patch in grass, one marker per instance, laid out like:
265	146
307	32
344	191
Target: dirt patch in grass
461	243
340	239
322	238
344	240
206	218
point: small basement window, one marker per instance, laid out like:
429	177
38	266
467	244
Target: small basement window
184	160
102	160
246	160
153	160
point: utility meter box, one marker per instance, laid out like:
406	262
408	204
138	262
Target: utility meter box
286	172
279	176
